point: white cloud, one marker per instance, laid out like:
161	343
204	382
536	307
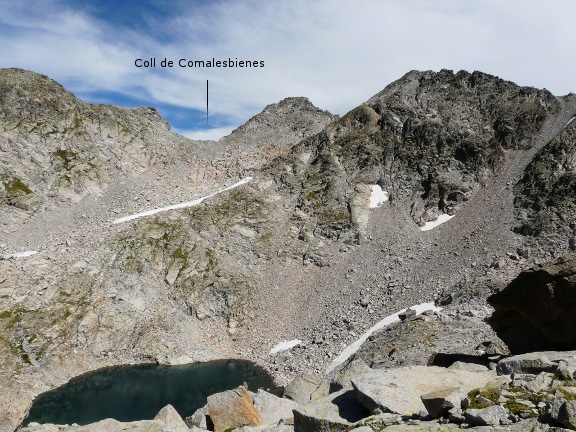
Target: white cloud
336	52
206	134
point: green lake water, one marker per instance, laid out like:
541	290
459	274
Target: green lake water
128	393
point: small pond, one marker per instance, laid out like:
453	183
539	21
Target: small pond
129	393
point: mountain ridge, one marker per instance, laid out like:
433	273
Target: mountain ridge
295	253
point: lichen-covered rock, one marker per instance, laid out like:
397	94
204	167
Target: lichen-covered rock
490	416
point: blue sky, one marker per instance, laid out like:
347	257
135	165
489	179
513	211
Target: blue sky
338	53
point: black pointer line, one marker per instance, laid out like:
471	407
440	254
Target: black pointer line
206	101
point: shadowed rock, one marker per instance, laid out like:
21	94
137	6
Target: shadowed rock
537	310
335	412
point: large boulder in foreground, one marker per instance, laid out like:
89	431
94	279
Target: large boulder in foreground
399	390
232	409
537	310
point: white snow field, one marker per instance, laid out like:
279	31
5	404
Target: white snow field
181	205
378	196
19	255
354	346
285	345
431	225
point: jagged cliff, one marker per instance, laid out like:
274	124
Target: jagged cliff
295	253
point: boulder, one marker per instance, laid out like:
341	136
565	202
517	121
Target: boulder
232	409
399	390
534	383
262	428
340	378
199	419
335	412
425	426
470	367
170	416
490	416
301	388
439	402
380	421
564	412
537	310
107	425
272	408
535	362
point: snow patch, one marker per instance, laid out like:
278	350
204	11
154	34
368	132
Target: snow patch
378	196
431	225
353	347
285	345
19	255
181	205
569	121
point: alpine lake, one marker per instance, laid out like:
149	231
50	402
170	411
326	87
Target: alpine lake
138	392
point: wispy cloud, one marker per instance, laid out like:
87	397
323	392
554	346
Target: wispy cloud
336	52
205	134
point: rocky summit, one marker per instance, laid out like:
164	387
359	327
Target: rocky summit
407	266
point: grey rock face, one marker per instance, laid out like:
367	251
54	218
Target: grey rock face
400	140
54	145
282	124
545	196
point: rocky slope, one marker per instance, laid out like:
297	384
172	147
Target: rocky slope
295	253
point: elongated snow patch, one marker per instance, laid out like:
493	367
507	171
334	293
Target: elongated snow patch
378	196
285	345
431	225
569	121
181	205
20	255
354	346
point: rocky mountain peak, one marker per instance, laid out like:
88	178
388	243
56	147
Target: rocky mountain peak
433	136
283	123
40	99
55	145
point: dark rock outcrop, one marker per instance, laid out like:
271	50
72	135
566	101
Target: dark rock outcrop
537	310
546	195
428	136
